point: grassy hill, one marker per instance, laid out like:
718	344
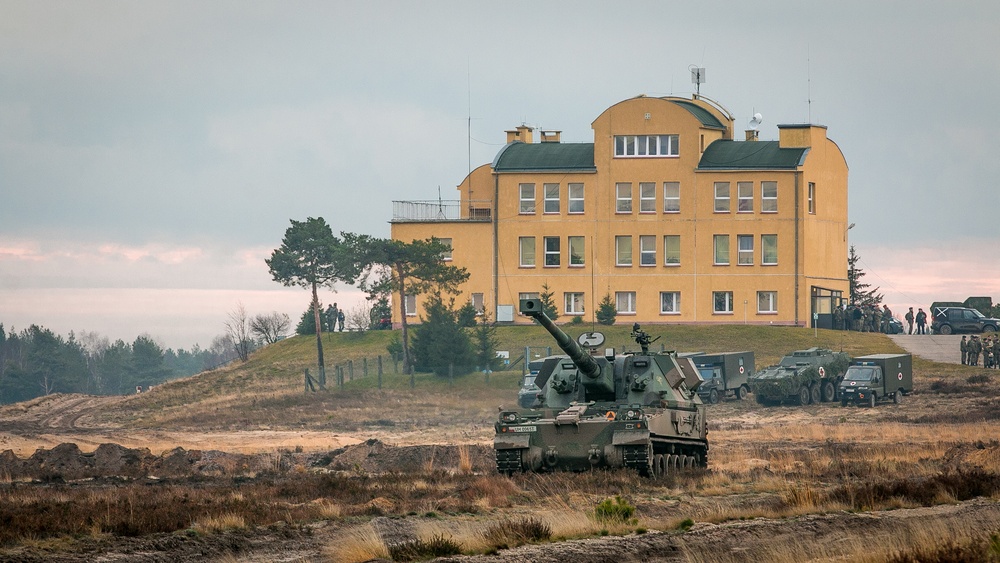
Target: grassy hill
267	391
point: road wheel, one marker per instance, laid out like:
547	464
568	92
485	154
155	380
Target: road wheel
742	392
658	466
945	329
672	463
829	392
897	397
814	394
989	328
871	400
804	395
713	396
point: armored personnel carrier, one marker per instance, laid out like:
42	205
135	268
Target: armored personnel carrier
638	410
802	377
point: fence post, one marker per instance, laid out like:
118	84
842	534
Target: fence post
413	381
380	371
451	374
322	379
350	369
340	376
364	367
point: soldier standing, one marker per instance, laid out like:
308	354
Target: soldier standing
987	353
963	348
921	321
886	316
909	321
876	319
838	318
974	348
858	316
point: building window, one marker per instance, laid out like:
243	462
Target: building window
767	301
576	251
647	250
576	198
671	197
623	197
410	305
722	197
721	250
670	302
812	197
478	303
527	245
744	253
551	251
623	250
647	197
551	203
768	197
625	302
527	198
447	254
573	303
722	301
744	197
646	145
769	250
671	250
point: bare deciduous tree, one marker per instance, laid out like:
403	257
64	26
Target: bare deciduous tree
360	317
271	327
238	331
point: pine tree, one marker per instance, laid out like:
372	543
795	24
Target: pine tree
548	302
860	294
606	311
440	341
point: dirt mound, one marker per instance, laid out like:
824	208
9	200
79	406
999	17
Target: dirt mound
67	462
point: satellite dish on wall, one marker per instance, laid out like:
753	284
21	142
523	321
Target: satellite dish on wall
756	121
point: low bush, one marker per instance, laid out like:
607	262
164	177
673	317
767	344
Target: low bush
614	510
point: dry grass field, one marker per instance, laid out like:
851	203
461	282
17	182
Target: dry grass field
399	473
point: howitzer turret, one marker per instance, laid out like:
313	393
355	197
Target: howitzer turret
637	410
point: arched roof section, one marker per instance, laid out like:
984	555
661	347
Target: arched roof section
545	157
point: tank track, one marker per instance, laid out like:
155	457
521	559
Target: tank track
509	461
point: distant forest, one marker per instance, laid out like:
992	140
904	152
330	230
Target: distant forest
36	362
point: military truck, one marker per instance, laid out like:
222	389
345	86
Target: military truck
725	374
803	377
637	410
877	377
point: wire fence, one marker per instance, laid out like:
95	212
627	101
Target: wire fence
389	373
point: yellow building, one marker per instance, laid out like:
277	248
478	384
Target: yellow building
664	212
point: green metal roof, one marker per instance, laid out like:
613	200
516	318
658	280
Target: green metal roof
542	157
750	155
703	115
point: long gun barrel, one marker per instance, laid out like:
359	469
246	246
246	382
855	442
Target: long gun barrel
584	362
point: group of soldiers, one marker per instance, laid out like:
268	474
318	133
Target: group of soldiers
989	348
862	318
333	318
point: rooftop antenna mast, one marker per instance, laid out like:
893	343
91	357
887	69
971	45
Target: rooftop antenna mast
697	78
809	102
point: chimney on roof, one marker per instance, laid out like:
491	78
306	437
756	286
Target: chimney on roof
751	134
521	133
549	136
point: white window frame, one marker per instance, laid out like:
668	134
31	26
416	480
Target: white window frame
716	240
744	250
647	146
744	197
670	302
763	250
527	259
620	243
573	302
623	201
647	250
625	302
447	255
812	198
579	257
666	251
550	195
575	198
769	197
671	202
647	197
767	302
723	202
727	302
410	305
552	253
527	205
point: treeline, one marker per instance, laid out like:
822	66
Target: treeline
36	362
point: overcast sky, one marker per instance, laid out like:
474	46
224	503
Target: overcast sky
152	153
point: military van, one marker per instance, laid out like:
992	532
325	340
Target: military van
725	375
878	377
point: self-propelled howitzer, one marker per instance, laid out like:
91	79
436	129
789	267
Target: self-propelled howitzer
638	410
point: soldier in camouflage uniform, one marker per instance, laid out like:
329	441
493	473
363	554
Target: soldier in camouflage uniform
838	318
974	348
886	315
876	319
987	353
963	348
